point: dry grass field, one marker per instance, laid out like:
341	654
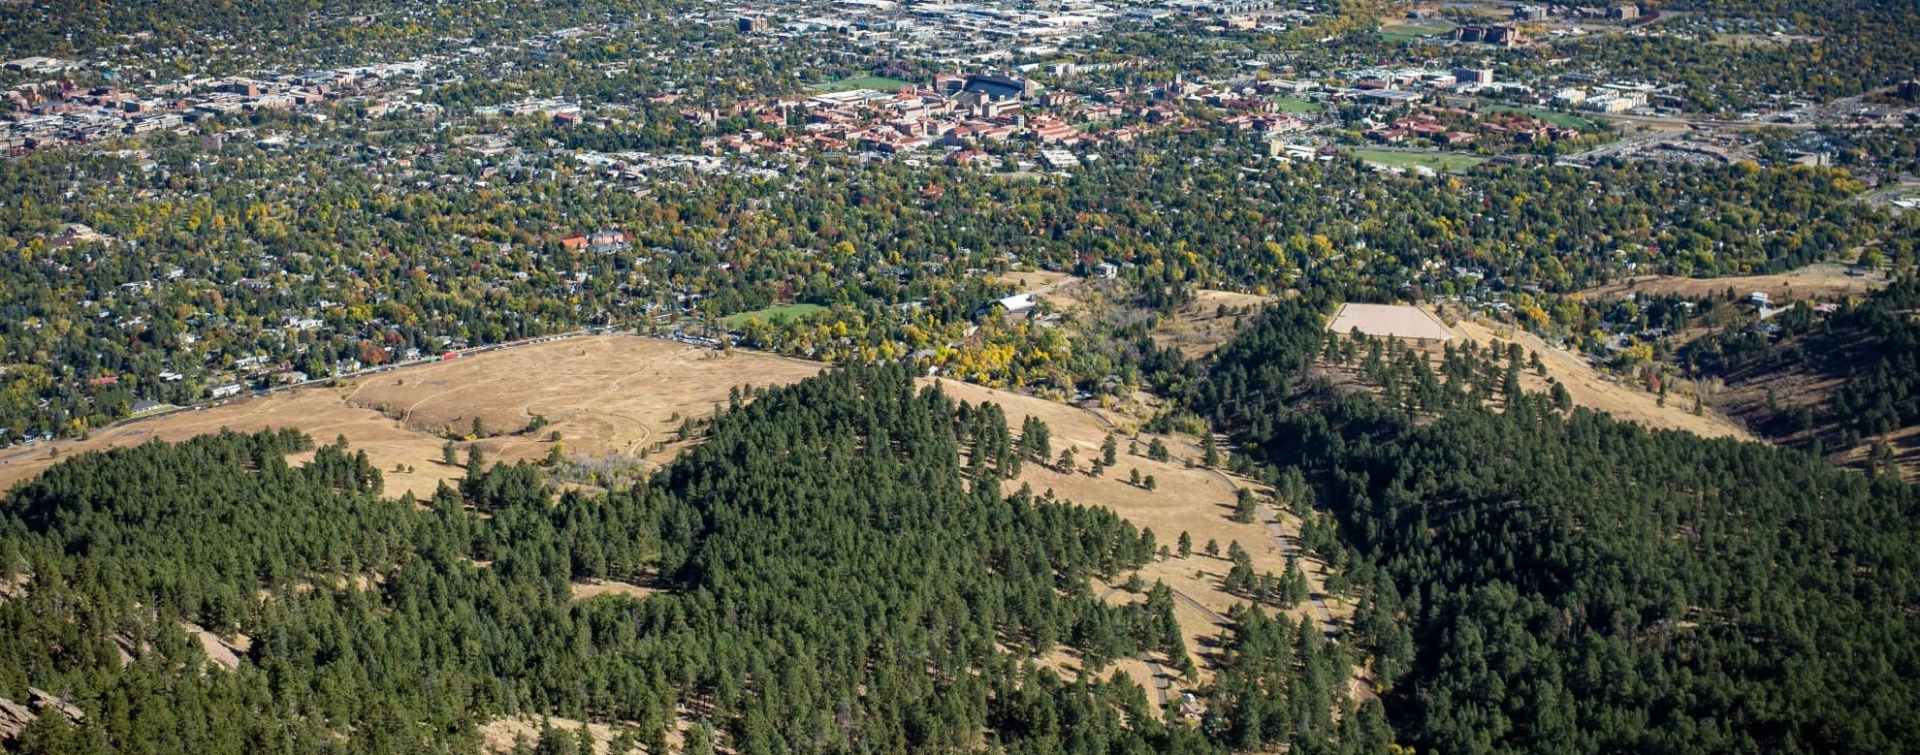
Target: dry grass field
1388	321
1194	500
1820	282
603	394
1589	388
321	412
501	734
591	589
621	395
1197	328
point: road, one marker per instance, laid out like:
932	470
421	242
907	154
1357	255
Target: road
1162	680
1289	546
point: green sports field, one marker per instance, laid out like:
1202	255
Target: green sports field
1447	161
881	83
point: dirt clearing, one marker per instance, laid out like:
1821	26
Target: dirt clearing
1389	321
595	588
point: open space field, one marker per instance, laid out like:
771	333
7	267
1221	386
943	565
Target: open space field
1820	282
603	394
321	412
1555	117
1195	500
1197	328
774	313
1591	389
591	589
881	83
1447	161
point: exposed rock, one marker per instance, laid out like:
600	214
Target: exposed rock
14	718
44	701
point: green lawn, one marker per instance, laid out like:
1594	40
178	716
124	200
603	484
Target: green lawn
1555	117
1296	105
1447	161
881	83
774	313
1410	32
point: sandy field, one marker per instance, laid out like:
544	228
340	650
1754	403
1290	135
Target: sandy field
1821	282
604	395
1388	321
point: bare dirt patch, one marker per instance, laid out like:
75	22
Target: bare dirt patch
1820	282
1389	321
597	587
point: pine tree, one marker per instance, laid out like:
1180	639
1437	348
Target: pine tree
1245	506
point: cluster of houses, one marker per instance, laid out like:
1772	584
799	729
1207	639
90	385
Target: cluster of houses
1454	127
57	112
956	110
964	111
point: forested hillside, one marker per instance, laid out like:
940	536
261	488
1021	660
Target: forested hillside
1543	582
835	569
830	578
1868	351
